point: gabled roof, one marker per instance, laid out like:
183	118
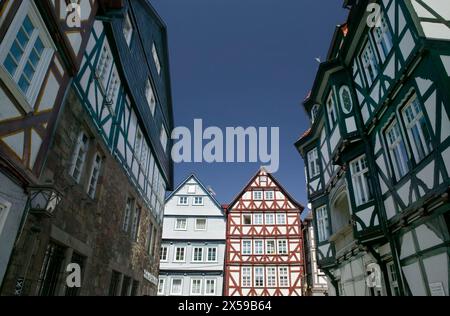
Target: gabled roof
235	200
182	184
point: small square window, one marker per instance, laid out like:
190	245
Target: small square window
269	195
257	195
181	224
198	200
183	200
200	224
247	219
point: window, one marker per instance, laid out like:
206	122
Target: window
95	174
346	100
127	215
200	224
283	276
156	59
192	189
269	195
197	254
161	286
247	219
51	269
397	150
163	138
258	219
181	224
113	90
417	129
281	219
26	52
393	279
180	254
257	195
270	219
322	223
128	29
196	287
246	276
150	96
177	287
138	144
331	110
259	247
212	255
126	286
370	64
183	200
360	179
314	112
270	247
271	277
313	163
163	256
210	287
263	181
282	247
79	157
247	247
259	277
153	240
383	38
104	65
136	221
198	200
114	283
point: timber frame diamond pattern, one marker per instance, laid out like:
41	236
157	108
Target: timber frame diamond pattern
381	197
264	255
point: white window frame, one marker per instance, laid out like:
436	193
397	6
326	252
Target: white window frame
361	187
198	201
82	149
282	275
180	201
202	253
397	150
323	230
283	216
180	228
258	195
161	286
136	223
413	104
368	59
280	249
128	29
192	188
216	252
176	252
201	229
246	277
94	176
164	250
156	59
258	219
274	252
313	163
258	276
272	221
269	195
181	287
256	249
250	248
192	287
332	110
150	96
271	275
383	37
214	282
129	206
263	181
28	100
314	113
112	92
104	65
164	138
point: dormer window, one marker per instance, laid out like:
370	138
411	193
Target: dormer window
331	109
383	38
313	163
314	112
370	63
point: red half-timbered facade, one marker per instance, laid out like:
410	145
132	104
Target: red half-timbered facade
264	253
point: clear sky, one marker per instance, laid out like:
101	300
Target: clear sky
247	63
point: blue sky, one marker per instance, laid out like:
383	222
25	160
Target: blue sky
246	63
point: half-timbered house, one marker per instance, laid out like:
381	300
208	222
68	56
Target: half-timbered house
98	132
264	252
377	155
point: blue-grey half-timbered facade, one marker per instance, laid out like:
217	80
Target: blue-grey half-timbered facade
377	155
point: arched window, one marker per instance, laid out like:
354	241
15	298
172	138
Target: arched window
346	100
314	112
